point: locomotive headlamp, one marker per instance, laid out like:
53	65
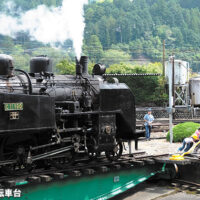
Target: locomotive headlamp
108	129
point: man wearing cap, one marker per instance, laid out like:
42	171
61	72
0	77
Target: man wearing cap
148	118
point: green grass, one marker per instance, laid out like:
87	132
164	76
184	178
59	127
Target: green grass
183	130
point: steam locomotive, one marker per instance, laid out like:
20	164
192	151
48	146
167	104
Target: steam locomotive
49	119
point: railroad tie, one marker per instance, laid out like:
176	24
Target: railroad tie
45	178
198	190
58	176
185	187
117	166
127	165
34	179
138	162
89	171
76	173
175	185
193	188
150	161
103	169
9	184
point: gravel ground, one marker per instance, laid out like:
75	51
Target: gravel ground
180	196
155	191
150	192
156	146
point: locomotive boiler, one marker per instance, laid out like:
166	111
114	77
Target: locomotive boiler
50	120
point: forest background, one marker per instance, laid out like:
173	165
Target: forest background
127	36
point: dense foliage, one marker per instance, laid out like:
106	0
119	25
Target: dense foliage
26	5
122	31
125	35
147	90
183	130
139	27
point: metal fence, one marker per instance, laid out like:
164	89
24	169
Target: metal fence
162	113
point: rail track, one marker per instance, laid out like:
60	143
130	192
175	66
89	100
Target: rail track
81	167
85	167
186	185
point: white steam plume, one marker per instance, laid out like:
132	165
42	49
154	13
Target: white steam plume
49	25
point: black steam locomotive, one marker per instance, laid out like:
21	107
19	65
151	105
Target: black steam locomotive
49	119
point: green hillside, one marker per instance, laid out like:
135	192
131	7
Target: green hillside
122	31
139	27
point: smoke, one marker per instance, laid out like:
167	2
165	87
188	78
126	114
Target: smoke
48	25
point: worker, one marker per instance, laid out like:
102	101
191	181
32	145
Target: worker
189	141
148	118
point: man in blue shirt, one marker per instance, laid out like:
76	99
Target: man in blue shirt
148	118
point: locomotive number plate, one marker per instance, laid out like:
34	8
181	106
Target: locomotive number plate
13	106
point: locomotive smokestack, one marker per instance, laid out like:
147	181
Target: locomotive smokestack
78	68
84	64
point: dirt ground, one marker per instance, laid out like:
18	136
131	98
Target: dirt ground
152	191
156	146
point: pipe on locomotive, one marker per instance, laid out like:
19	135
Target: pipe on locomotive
82	66
121	75
28	78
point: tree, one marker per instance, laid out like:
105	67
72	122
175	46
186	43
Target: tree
7	43
94	49
135	27
66	67
115	56
147	90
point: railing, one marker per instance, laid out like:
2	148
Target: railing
159	112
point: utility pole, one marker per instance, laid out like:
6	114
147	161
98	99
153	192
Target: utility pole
163	57
173	80
170	77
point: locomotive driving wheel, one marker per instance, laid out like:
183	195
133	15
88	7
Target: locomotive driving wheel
116	152
15	148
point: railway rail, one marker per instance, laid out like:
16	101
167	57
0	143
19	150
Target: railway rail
185	185
81	167
85	166
134	168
